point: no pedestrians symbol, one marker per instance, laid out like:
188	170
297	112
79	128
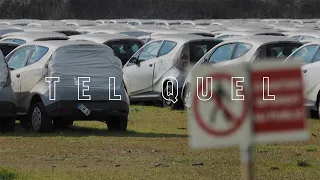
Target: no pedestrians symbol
219	93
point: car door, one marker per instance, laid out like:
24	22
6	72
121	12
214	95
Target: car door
32	72
165	59
16	61
138	72
310	74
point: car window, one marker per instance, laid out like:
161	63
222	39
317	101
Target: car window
307	37
223	53
297	37
278	50
19	41
6	49
223	36
7	40
317	56
19	58
124	49
241	50
199	48
150	51
167	46
37	54
306	54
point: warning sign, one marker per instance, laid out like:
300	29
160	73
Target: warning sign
218	117
260	102
219	94
278	102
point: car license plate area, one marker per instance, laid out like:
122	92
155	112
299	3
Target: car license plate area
86	111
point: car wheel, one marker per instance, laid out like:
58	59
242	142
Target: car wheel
61	123
166	101
40	122
7	125
117	123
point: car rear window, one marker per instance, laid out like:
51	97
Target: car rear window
6	49
200	48
124	49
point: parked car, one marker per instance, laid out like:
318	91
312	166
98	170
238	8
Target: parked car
309	54
123	46
146	72
243	49
32	63
304	36
7	99
26	37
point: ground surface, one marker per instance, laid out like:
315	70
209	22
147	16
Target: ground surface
156	147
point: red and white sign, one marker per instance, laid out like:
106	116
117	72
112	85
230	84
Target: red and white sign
271	108
278	102
216	120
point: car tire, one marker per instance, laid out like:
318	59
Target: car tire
60	123
170	104
7	125
40	121
117	123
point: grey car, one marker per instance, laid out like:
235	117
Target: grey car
7	99
57	82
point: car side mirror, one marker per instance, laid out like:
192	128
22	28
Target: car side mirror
46	66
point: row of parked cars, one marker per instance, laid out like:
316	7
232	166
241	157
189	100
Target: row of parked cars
116	63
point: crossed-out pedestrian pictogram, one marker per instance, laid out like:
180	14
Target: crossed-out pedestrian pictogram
217	96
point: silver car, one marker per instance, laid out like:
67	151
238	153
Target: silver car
243	49
62	81
146	73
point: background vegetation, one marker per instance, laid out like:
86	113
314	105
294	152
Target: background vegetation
167	9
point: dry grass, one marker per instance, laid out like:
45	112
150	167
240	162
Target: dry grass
156	147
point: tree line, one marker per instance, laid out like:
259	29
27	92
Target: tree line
160	9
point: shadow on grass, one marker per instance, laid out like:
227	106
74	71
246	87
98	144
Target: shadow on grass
76	131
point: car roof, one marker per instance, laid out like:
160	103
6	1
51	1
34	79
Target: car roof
262	39
183	37
55	44
101	38
31	36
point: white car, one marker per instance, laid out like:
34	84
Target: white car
309	54
146	73
243	49
32	63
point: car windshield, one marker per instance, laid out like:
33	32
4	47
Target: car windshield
124	49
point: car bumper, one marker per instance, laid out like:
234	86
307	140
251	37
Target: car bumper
99	110
7	109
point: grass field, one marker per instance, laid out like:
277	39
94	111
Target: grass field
156	147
